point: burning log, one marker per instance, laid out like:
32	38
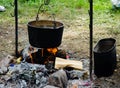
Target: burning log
39	56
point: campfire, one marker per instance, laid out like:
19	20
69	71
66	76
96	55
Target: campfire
42	68
44	56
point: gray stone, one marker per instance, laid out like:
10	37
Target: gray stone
6	60
50	86
3	70
58	79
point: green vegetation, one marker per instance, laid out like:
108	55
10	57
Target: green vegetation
65	9
29	8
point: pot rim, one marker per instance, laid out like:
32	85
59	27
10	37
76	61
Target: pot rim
105	39
59	24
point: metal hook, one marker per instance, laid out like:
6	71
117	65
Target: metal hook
54	22
37	17
43	9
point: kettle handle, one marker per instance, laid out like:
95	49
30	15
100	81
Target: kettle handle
42	9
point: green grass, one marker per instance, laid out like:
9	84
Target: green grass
101	5
30	8
66	9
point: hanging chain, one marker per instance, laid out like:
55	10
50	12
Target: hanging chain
42	8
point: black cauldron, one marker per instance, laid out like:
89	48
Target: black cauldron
105	59
45	33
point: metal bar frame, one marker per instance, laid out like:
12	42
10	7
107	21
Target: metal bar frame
91	37
16	27
90	27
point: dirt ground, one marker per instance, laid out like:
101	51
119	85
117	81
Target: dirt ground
75	41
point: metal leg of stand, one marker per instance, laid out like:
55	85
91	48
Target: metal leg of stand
91	37
16	27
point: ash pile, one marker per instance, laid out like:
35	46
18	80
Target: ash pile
23	75
18	73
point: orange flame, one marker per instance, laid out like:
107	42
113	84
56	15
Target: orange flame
52	50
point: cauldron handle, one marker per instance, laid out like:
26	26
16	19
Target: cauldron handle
37	17
54	22
42	10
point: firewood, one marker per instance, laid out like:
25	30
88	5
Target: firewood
63	63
